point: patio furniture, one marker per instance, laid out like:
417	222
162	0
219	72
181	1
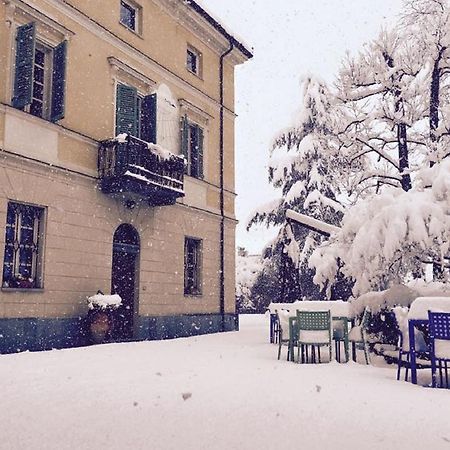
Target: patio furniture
357	336
418	318
288	334
439	323
401	316
340	336
314	330
274	328
341	312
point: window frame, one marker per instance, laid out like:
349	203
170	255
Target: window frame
189	124
36	280
198	71
131	6
140	99
196	289
47	82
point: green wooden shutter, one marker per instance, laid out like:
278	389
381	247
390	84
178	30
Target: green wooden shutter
58	81
126	107
148	119
23	80
200	151
185	141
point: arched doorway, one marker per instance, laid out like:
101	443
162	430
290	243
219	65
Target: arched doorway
124	278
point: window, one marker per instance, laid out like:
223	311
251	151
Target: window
192	147
22	261
192	266
40	71
193	61
129	16
135	113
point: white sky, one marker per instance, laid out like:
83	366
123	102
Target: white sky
290	38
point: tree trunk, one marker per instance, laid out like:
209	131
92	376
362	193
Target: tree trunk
403	161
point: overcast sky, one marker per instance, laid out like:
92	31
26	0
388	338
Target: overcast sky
290	38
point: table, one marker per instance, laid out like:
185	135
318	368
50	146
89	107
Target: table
340	311
418	317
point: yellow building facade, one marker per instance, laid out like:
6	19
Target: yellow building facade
116	168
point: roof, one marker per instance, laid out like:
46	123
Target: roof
213	22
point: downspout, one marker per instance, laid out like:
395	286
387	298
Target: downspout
222	200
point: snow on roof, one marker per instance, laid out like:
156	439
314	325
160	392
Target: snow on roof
238	42
313	224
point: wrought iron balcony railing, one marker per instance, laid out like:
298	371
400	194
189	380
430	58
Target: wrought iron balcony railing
132	166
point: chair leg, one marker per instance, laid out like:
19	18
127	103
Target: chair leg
354	351
440	374
303	353
399	364
407	367
279	349
446	375
433	371
318	352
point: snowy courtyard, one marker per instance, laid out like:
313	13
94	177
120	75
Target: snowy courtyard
222	391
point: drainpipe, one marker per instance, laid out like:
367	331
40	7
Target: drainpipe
222	202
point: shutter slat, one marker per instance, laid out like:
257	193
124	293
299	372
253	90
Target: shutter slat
23	80
126	105
58	82
149	119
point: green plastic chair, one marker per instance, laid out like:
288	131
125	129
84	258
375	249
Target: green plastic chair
357	336
288	335
314	330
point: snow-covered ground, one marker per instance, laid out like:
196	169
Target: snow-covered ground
225	391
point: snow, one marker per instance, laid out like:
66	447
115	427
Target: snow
161	152
338	308
316	225
397	295
420	307
222	392
103	301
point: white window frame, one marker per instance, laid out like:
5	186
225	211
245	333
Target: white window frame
137	15
198	55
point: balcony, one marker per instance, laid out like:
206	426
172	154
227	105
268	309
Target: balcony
135	169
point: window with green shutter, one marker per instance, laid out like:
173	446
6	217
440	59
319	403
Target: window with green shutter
40	75
136	114
192	138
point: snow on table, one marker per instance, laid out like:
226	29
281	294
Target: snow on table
421	305
338	308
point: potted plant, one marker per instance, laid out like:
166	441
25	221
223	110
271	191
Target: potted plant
101	317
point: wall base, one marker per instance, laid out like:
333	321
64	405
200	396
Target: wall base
17	335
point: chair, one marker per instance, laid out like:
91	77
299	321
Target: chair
288	334
274	328
314	330
340	335
439	344
357	335
401	316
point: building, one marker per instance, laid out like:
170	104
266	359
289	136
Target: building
86	203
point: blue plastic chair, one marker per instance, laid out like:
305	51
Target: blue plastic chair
439	331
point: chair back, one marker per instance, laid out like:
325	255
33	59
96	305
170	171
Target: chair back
313	320
288	325
439	325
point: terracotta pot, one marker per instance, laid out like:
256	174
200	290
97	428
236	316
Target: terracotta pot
100	326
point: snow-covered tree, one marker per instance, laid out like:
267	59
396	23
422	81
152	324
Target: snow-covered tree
302	166
381	103
387	237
